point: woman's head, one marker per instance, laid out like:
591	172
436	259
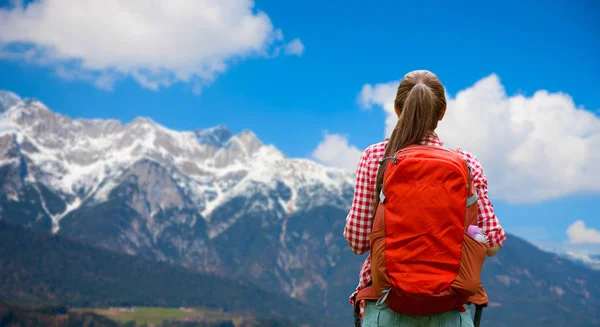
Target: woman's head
420	103
428	87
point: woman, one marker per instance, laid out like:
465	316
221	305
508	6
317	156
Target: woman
417	120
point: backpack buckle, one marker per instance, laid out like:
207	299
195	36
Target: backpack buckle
395	158
381	302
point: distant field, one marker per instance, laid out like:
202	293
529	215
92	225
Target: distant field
146	315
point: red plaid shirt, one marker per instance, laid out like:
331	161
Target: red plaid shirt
358	222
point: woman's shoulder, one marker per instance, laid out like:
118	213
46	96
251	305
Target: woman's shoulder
375	150
470	158
369	159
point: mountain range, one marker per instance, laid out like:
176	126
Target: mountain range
222	203
208	199
41	270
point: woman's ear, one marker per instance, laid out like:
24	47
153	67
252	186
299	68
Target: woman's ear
443	113
397	110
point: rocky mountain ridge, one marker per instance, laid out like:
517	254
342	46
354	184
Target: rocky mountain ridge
208	199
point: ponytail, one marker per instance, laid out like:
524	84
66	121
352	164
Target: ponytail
420	104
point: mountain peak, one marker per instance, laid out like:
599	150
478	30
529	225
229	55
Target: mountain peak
251	142
8	99
142	121
217	136
26	112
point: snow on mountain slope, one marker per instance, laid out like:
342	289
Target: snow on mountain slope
7	100
82	161
587	255
591	260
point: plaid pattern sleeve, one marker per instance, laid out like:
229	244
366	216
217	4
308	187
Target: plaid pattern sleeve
358	221
487	219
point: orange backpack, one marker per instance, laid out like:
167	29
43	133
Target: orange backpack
422	260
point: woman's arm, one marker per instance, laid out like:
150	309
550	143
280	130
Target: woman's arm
358	221
487	219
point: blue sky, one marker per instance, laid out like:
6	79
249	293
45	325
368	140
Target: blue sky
292	100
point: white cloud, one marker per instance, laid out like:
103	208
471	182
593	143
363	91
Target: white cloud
382	95
157	43
334	150
532	148
294	48
579	233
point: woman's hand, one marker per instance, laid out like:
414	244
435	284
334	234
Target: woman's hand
491	251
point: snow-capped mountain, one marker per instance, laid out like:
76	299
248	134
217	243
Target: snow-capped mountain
202	198
83	160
